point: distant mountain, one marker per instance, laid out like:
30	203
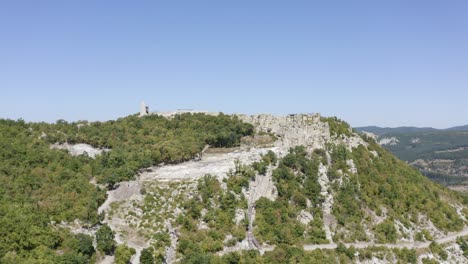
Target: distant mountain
390	130
458	128
379	131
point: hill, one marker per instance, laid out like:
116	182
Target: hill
458	128
441	155
193	188
379	131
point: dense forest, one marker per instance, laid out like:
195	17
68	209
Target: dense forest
41	187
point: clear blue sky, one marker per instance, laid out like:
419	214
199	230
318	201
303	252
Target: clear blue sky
386	63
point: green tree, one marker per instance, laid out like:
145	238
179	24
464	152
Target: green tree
146	256
85	244
386	232
123	254
105	239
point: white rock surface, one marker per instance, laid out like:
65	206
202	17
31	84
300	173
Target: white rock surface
292	130
352	166
389	141
305	217
263	186
327	205
240	216
215	164
79	149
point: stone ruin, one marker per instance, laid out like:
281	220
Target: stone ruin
144	109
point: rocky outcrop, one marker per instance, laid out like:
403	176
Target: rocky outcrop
79	149
389	141
292	130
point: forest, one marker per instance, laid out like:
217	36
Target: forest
42	187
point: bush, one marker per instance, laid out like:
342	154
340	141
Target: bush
463	245
406	255
438	250
146	257
386	232
85	244
123	254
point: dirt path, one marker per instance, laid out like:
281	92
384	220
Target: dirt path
451	237
263	186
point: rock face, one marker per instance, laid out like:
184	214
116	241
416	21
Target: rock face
79	149
389	141
305	217
214	164
292	130
327	206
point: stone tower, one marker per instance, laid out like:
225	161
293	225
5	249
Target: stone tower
144	110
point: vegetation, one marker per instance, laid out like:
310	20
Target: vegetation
296	179
123	254
389	183
146	257
290	254
434	147
43	186
219	216
436	249
40	186
337	126
461	241
105	239
386	232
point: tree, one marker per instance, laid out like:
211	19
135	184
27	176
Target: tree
85	244
146	257
105	239
123	254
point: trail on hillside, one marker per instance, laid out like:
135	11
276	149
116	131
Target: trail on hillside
451	237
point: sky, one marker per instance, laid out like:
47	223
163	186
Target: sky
386	63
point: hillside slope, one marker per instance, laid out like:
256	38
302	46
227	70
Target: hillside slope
315	182
442	155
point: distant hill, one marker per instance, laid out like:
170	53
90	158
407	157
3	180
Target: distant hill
440	154
458	128
379	131
391	130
